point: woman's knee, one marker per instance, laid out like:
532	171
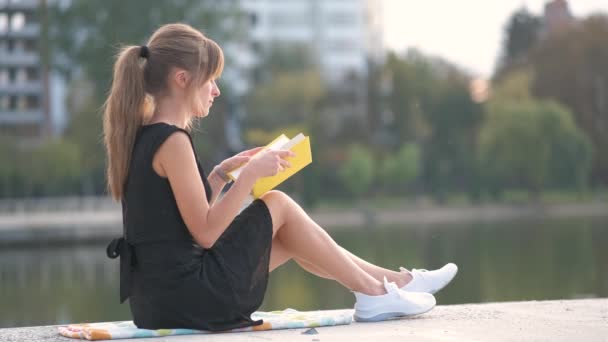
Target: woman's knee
276	202
275	199
275	195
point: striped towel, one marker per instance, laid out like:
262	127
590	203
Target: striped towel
274	320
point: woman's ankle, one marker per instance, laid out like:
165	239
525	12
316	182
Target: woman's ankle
373	289
403	278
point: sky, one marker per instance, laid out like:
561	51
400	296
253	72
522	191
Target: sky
468	33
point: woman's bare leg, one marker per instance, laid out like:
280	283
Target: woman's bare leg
283	206
280	255
400	278
305	240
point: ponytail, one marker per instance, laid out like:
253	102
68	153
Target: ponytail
140	78
123	116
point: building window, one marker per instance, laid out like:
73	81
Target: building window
21	76
19	46
342	18
4	102
253	19
30	45
3	22
32	74
17	21
33	102
21	103
342	45
12	75
3	77
288	19
12	102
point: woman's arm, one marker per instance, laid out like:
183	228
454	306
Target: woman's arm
217	182
205	223
217	185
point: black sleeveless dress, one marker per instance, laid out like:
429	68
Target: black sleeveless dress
172	282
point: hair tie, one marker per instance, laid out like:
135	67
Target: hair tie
144	52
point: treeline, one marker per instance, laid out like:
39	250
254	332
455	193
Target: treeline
542	125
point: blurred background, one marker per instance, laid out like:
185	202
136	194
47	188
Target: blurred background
473	132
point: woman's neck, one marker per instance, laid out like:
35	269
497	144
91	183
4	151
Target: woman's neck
171	111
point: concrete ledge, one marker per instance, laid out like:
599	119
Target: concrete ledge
563	320
102	225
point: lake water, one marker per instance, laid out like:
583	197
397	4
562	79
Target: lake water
506	261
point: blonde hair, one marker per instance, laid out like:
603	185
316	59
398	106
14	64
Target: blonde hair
137	81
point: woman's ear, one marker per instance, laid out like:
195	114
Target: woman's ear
181	78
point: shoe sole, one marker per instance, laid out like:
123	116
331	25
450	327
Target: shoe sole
388	315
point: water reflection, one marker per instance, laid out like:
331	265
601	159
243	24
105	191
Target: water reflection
498	262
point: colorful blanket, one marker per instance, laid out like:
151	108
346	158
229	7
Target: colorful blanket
274	320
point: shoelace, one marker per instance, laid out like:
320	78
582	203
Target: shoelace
390	286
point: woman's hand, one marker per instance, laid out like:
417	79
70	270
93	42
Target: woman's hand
238	159
233	162
251	152
268	163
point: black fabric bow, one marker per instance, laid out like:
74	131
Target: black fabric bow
120	247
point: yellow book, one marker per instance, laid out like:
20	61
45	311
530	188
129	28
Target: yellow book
300	145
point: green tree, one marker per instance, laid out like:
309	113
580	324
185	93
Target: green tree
51	169
357	172
450	148
572	68
520	37
430	104
399	171
290	98
411	81
86	35
8	167
532	145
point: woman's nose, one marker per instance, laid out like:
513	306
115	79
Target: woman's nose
216	90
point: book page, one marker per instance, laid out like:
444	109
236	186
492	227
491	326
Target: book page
293	142
278	143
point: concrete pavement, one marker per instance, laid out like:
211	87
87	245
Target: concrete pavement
561	320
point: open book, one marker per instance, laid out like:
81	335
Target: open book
299	144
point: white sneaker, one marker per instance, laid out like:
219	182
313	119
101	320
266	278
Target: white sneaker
430	281
395	303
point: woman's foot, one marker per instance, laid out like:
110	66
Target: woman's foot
395	303
430	281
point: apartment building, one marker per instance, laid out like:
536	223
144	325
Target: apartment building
24	90
342	34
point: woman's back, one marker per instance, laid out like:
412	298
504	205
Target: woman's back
150	212
171	281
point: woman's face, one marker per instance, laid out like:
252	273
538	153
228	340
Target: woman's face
207	93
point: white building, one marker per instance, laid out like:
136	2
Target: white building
343	34
31	98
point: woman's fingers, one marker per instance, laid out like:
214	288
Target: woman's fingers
285	154
251	152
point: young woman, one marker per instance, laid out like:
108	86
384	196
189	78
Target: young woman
187	258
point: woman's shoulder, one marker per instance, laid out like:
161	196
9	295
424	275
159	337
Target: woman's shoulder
161	127
151	137
158	132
